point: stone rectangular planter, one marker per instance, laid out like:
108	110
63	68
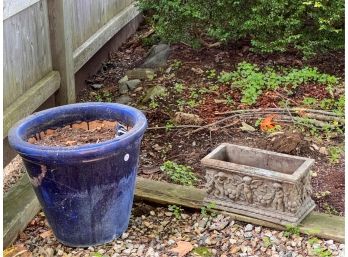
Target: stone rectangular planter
258	183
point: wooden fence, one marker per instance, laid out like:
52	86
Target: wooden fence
46	42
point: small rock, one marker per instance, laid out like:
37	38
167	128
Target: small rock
97	86
315	147
138	89
258	229
234	249
333	247
168	214
154	92
152	213
184	216
248	227
127	251
140	250
248	235
123	80
124	235
203	222
219	223
286	254
49	252
124	99
183	118
140	73
133	84
316	245
101	251
171	242
150	252
329	242
93	94
323	150
157	56
247	127
123	88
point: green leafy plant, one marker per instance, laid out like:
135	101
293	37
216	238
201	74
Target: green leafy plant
179	87
176	64
176	211
310	101
271	26
178	173
192	103
322	194
153	104
251	80
211	74
322	252
96	254
208	210
169	125
291	230
104	96
266	241
202	251
313	240
334	154
328	209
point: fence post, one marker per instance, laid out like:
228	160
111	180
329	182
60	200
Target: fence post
60	23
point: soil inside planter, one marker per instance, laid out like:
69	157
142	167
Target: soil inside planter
77	134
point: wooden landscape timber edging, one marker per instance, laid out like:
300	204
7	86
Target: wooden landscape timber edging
21	205
31	100
318	224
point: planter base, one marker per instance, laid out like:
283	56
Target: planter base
262	213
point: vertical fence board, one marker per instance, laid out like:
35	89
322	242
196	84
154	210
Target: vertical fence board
27	56
60	18
91	15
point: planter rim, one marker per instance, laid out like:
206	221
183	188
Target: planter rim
208	162
95	151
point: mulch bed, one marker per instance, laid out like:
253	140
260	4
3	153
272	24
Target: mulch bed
160	144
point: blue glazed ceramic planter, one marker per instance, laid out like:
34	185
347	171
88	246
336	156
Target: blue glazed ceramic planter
85	191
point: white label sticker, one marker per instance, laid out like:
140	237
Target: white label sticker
126	157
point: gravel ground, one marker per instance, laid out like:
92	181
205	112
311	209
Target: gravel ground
12	173
156	232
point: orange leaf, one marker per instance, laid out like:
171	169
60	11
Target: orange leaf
267	123
183	248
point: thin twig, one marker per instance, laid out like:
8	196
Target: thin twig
279	110
287	108
175	127
214	123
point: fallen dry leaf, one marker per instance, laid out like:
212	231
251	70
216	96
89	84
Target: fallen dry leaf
234	249
17	251
46	234
183	248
